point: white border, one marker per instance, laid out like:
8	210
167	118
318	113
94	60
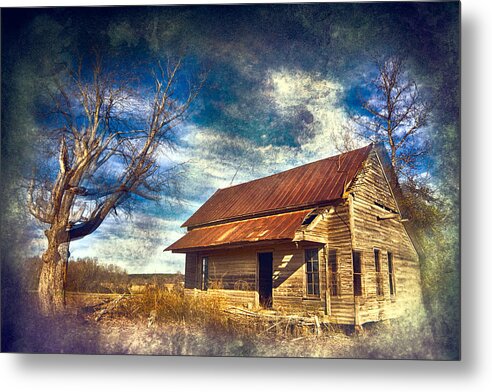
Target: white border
117	373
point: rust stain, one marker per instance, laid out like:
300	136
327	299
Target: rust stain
273	227
315	182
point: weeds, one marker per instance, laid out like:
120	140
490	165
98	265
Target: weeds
167	322
158	305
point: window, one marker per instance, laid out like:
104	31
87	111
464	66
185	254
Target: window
391	274
357	272
379	276
333	267
204	273
309	219
312	271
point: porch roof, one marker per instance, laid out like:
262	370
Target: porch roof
272	227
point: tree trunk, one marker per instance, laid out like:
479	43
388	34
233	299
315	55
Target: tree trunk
51	290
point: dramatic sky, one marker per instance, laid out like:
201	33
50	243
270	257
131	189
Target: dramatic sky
281	79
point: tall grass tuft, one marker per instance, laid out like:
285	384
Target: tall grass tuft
160	305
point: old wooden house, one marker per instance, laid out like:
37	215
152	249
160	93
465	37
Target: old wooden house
325	238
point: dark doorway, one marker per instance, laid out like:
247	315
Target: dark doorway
265	275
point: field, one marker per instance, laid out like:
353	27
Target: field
160	321
111	312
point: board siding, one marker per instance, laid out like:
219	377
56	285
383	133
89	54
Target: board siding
339	239
371	194
232	274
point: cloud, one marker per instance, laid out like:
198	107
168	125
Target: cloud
217	160
314	103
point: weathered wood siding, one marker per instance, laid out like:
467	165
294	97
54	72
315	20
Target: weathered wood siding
289	274
233	276
372	197
341	306
316	231
233	269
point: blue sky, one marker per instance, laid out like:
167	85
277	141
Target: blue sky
281	80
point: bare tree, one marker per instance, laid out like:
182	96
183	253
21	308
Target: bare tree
109	137
395	114
344	139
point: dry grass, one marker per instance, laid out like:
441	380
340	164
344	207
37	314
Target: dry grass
159	307
162	306
162	322
206	316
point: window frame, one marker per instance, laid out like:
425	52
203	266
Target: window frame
334	275
314	274
391	273
379	277
359	274
204	273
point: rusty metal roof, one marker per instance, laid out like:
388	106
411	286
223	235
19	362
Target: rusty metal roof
274	227
302	186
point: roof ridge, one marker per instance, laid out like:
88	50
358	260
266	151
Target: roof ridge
254	217
294	168
261	214
314	182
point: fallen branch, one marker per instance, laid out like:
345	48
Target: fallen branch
111	306
274	320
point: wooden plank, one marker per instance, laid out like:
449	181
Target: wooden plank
373	198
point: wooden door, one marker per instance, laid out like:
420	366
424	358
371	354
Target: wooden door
265	278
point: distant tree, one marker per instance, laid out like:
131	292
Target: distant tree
397	115
109	134
89	275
